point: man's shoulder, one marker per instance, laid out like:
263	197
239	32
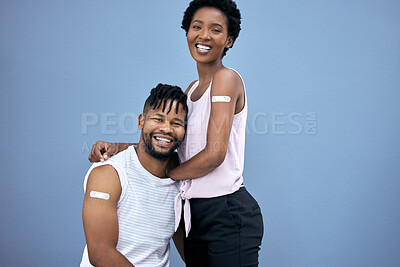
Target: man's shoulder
103	170
123	155
113	170
104	177
122	160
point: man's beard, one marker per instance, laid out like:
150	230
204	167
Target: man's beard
148	143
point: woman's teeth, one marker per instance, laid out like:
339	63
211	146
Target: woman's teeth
203	47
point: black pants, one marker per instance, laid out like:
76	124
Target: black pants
226	231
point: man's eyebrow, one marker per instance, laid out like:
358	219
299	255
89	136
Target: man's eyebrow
159	115
181	121
163	116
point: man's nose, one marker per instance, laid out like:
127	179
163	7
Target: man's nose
166	127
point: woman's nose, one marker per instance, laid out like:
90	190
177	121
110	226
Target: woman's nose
204	34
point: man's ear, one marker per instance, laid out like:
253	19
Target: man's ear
141	121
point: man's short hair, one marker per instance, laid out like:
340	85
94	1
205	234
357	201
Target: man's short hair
160	96
228	7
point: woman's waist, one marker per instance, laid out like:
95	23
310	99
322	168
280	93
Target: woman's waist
210	186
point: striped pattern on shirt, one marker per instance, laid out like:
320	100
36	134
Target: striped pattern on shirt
145	212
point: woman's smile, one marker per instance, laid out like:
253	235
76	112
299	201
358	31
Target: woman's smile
208	35
203	48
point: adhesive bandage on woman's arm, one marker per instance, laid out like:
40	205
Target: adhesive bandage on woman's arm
100	195
221	98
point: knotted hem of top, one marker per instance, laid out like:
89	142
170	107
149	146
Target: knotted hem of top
186	212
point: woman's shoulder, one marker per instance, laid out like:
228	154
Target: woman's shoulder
228	78
190	86
227	74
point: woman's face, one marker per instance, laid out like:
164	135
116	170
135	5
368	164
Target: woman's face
208	35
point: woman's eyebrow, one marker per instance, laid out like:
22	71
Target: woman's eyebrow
213	24
219	25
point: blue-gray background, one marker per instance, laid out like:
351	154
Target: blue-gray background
323	150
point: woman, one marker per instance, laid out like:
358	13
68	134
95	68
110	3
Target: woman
223	222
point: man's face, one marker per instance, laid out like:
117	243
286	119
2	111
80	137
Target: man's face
162	132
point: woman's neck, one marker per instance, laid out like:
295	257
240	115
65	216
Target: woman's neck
207	71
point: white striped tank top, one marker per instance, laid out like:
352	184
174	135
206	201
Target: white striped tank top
145	212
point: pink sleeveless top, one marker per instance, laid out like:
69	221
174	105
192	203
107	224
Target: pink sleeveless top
225	179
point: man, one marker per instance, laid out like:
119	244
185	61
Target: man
128	209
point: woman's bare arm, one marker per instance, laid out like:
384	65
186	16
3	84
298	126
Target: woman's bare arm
103	150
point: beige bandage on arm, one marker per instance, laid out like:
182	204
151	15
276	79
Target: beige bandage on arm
221	98
100	195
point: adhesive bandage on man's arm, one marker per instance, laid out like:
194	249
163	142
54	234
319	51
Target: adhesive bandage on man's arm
221	98
100	195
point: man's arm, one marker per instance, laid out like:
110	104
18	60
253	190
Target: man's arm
100	220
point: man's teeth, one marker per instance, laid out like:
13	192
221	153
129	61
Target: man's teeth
163	140
203	47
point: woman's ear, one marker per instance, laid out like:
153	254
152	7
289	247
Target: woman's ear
141	121
229	42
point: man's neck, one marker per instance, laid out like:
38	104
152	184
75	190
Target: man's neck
152	165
